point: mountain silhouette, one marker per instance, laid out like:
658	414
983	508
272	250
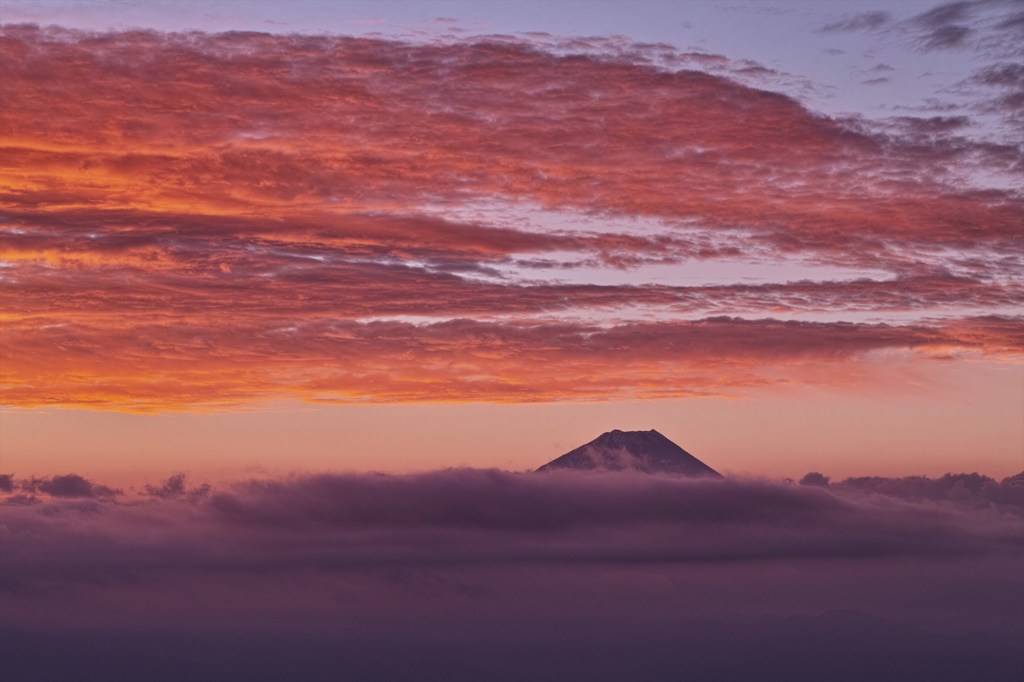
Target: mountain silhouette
646	451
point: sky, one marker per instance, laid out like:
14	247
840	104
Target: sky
258	238
295	296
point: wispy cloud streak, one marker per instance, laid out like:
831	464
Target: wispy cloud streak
146	366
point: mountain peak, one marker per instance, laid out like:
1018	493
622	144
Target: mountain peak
647	451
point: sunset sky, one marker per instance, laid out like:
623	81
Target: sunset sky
257	237
295	297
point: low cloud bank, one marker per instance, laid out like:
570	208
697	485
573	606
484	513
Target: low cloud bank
971	489
521	562
459	515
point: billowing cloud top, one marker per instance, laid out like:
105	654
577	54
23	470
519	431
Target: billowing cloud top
209	219
478	566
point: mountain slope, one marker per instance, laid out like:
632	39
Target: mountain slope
647	451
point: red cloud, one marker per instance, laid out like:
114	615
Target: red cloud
207	219
101	361
244	123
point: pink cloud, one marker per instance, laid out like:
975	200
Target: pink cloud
216	218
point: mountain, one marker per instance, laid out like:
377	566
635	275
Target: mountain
647	451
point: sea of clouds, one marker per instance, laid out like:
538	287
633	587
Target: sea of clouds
506	575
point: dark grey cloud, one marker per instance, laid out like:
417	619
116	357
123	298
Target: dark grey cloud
6	483
21	499
946	14
815	478
915	125
174	488
1003	86
973	489
1012	22
946	37
68	485
865	21
990	29
1004	75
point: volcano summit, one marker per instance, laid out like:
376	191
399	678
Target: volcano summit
646	451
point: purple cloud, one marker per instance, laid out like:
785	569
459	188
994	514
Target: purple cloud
477	565
68	485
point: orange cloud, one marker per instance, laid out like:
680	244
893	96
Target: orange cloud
172	364
197	219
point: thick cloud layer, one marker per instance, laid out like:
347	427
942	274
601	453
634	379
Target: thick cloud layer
468	516
210	219
486	563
